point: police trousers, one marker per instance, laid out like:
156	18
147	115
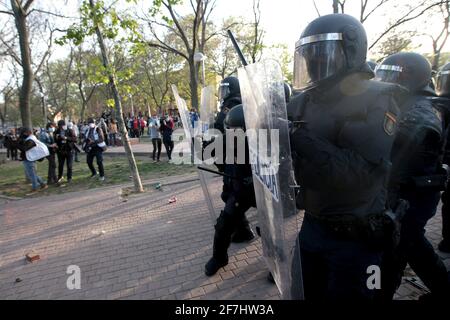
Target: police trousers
414	248
333	268
230	220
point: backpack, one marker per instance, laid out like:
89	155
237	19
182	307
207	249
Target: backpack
38	152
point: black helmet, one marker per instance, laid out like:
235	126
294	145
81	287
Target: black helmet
408	69
229	88
287	92
61	123
235	118
443	81
331	46
372	65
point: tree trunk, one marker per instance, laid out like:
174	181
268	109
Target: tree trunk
27	81
118	105
193	84
335	6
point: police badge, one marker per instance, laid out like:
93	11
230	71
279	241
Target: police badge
389	123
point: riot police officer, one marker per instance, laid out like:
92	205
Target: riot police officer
417	174
238	195
343	126
443	91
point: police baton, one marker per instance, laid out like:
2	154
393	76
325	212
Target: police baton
217	172
236	48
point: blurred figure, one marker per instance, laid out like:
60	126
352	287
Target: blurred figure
102	125
27	142
166	130
136	127
94	146
65	140
112	133
11	144
75	149
47	137
154	127
2	138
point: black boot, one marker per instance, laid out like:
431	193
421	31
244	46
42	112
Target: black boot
243	231
213	265
222	239
243	235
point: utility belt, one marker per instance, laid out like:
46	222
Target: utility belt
381	231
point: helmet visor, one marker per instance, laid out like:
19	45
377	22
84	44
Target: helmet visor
443	83
224	91
390	73
317	58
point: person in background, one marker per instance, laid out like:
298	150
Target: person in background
154	127
11	144
136	127
25	143
194	117
2	138
47	137
65	139
142	124
102	125
93	147
166	130
75	150
112	133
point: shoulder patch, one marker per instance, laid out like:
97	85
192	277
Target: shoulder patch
390	122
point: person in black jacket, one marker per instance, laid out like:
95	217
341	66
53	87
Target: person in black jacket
47	137
238	195
443	91
11	144
65	139
94	145
342	131
417	174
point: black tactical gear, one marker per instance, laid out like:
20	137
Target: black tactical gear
238	194
287	92
341	140
443	81
229	88
416	175
330	47
443	103
235	118
408	69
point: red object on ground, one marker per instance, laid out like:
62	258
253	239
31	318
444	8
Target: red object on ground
32	256
173	200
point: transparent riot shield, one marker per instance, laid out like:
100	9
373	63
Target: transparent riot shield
208	108
186	146
267	127
212	188
184	113
211	183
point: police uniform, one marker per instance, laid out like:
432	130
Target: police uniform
416	174
443	101
343	127
238	193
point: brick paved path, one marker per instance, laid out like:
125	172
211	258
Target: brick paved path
150	249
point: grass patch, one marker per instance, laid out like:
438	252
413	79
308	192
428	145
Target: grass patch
13	182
